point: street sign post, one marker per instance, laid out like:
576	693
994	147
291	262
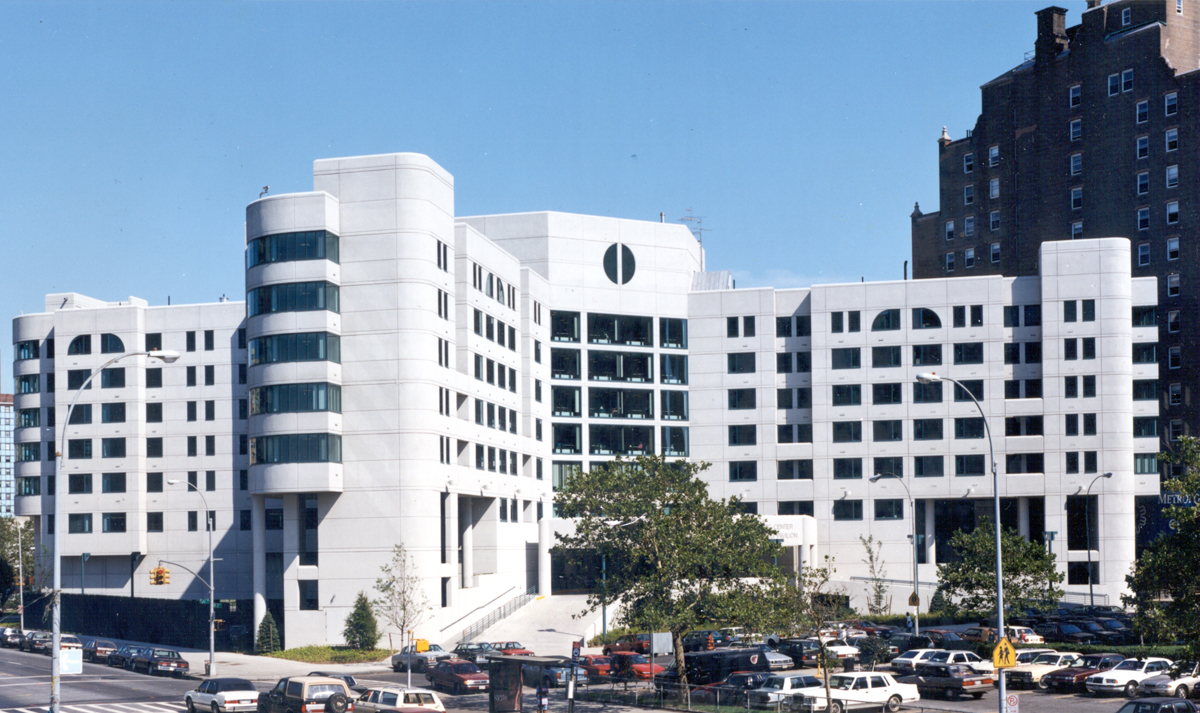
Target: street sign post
1012	703
1005	654
914	600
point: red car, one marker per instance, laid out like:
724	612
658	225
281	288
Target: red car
630	666
637	643
457	676
512	648
597	667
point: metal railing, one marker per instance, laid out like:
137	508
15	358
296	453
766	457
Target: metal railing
501	613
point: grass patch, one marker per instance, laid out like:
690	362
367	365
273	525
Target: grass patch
332	654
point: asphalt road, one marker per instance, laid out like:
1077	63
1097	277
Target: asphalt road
25	688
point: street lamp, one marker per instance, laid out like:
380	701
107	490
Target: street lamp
168	356
1087	524
212	631
913	507
928	378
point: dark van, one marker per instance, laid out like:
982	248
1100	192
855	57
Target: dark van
705	667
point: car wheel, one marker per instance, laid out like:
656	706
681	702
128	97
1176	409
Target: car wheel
337	703
1181	692
1042	684
835	707
191	705
977	696
893	703
1130	689
457	689
215	708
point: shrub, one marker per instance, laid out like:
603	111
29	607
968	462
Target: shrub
361	630
268	636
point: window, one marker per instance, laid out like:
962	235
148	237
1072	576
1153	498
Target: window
1070	349
1145	427
1171	104
887	431
1172	139
928	467
290	297
969	353
1145	463
1143	146
743	435
79	483
741	363
1173	320
743	471
927	429
79	523
796	507
1075	95
1076	130
1070	387
731	327
847	394
112	447
968	194
1172	248
783	363
969	226
968	162
847	510
889	509
885	357
994	220
969	465
846	358
1114	84
1089	310
1126	16
1089	386
1076	199
995	252
1173	285
1143	183
783	399
994	188
783	327
930	393
1172	176
154	447
1174	358
1172	212
1077	230
949	262
887	320
847	469
210	410
1072	465
1089	424
208	340
747	328
969	258
886	393
927	355
210	375
924	318
1142	111
847	431
993	155
1076	164
974	387
1143	254
1143	218
966	428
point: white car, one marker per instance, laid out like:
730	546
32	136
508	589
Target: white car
777	689
1187	676
969	658
222	695
1030	676
421	660
1127	675
1024	635
383	700
1025	659
866	689
908	661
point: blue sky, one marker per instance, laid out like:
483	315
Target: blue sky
802	132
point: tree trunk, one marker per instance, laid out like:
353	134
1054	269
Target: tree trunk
684	692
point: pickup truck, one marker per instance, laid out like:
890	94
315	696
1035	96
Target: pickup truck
949	679
420	660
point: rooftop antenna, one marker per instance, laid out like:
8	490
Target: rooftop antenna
694	222
265	190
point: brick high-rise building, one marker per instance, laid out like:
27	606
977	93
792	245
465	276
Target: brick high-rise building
1089	137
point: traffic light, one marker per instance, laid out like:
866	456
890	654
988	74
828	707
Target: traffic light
154	575
164	575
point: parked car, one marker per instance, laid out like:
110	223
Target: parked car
476	653
1061	631
871	628
735	634
969	658
731	691
1031	676
1104	636
630	666
457	676
698	640
1101	610
867	689
899	643
420	659
510	648
946	639
122	656
11	637
36	641
1181	681
836	648
65	641
796	648
950	680
1125	676
907	662
1025	658
154	660
307	693
705	667
597	667
777	689
1120	627
776	660
555	674
1072	678
979	634
1024	635
344	677
1158	705
393	699
638	643
97	650
222	695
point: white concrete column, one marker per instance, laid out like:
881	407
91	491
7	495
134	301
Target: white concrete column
258	536
291	553
930	544
544	555
1023	517
466	517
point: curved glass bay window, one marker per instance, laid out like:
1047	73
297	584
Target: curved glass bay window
621	440
309	346
289	247
293	297
292	398
296	448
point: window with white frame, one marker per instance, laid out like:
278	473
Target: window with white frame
1126	16
1127	80
1173	320
994	220
1077	230
993	155
1143	146
1172	248
949	230
968	162
1174	357
969	258
1171	139
995	252
1075	95
1077	198
994	188
1076	164
1173	285
1143	218
1172	176
1114	84
968	194
1172	212
949	262
969	225
1142	111
1076	129
1178	7
1175	394
1143	183
1171	104
1144	254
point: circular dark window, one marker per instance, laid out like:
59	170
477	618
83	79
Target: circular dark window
627	264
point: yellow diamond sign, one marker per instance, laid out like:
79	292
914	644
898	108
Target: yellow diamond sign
1005	654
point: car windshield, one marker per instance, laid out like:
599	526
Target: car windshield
466	668
601	661
470	647
435	647
775	682
1070	629
321	691
1047	659
841	683
636	659
1113	624
1144	707
940	656
950	636
1088	662
166	654
235	684
1130	665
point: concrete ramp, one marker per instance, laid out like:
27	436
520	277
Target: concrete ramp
548	625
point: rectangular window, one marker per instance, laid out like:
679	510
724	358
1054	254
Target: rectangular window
887	431
113	522
1171	137
1143	183
1089	386
994	188
1172	212
1172	248
783	327
949	262
892	509
1145	427
969	226
885	357
1072	461
994	220
995	252
1171	104
79	523
969	465
112	482
1142	111
1071	424
1076	129
1173	285
928	466
1143	254
154	522
79	483
847	394
968	353
79	448
847	469
927	429
1077	230
974	387
968	162
1075	95
968	428
847	510
836	322
847	431
731	327
846	358
191	341
1145	463
1076	198
741	363
747	327
886	393
1089	424
927	355
993	156
743	471
209	341
783	399
743	435
1142	147
968	194
1114	84
1172	176
1076	164
1127	79
969	258
1070	349
783	363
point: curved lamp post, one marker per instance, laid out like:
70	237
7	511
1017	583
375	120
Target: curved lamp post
929	378
912	507
168	356
212	631
1087	524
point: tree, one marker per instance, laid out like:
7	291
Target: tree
361	630
675	558
809	604
8	582
877	599
402	601
9	542
1164	596
1030	576
267	640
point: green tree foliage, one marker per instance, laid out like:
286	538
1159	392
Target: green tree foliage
1164	596
877	600
675	557
361	630
267	640
939	604
9	541
8	582
1030	577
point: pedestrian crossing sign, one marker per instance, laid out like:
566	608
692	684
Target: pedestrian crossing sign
1005	654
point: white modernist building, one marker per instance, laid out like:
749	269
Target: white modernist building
398	374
